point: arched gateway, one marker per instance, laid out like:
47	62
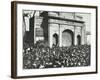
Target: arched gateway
67	38
56	28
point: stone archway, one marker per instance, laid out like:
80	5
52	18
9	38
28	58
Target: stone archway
55	39
67	38
78	39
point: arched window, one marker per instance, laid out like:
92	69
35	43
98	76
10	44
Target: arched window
78	40
67	38
55	39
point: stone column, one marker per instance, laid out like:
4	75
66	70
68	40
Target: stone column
83	38
75	36
50	36
60	36
34	30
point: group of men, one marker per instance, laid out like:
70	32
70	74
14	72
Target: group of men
40	57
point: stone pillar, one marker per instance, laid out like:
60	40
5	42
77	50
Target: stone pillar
60	36
34	30
75	36
50	36
83	38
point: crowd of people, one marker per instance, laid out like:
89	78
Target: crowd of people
46	57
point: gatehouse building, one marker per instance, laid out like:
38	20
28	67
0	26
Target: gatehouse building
55	28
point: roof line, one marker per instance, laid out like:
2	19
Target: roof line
65	19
